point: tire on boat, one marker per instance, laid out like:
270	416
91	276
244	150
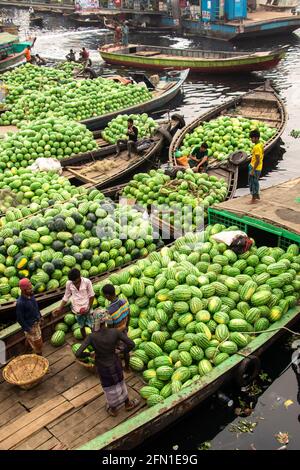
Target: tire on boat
247	371
179	118
166	134
238	157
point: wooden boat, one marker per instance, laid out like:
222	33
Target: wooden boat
100	168
211	62
167	231
68	407
36	20
87	169
87	21
167	88
262	104
11	51
138	28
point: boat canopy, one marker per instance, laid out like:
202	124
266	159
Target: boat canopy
7	39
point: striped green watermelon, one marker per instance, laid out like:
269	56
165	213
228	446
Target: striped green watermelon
204	367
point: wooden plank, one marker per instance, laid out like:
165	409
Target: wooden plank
15	411
55	385
77	420
30	417
35	440
35	426
100	428
48	445
7	400
87	396
86	384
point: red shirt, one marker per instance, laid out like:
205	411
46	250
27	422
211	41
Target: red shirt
85	54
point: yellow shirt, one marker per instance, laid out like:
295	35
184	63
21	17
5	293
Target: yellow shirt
257	151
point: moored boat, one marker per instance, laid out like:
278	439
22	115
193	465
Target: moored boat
198	61
261	104
168	86
11	51
73	399
36	20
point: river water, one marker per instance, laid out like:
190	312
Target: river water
273	410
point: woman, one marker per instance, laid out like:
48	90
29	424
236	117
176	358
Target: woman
104	342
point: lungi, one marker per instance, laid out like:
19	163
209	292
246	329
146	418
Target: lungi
113	384
34	338
254	181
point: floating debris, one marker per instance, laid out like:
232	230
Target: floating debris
282	437
243	426
264	377
288	403
204	446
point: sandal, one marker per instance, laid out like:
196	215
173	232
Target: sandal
132	404
110	411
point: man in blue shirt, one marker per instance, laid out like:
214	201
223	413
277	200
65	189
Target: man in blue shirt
29	317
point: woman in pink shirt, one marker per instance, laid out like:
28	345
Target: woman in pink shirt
79	291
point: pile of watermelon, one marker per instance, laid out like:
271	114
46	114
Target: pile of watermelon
58	96
196	303
23	192
89	233
182	201
117	128
56	138
69	324
225	135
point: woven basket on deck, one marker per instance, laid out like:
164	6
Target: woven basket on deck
90	367
26	371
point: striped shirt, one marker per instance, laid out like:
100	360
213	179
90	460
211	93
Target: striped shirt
119	311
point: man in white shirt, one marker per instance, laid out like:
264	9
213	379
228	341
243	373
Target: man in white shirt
79	291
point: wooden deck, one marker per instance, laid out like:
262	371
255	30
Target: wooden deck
279	205
66	409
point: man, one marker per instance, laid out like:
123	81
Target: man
131	143
79	291
109	366
198	160
84	55
117	35
125	32
39	60
256	165
27	53
119	312
71	57
29	317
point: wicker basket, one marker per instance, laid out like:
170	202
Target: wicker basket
26	371
90	367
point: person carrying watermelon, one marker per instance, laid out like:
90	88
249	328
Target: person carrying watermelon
119	312
108	364
29	316
198	159
255	166
79	291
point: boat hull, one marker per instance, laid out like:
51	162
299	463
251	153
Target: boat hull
211	67
157	102
12	61
228	32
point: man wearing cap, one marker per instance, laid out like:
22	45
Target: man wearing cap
109	367
29	317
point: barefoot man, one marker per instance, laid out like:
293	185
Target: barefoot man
109	367
29	317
